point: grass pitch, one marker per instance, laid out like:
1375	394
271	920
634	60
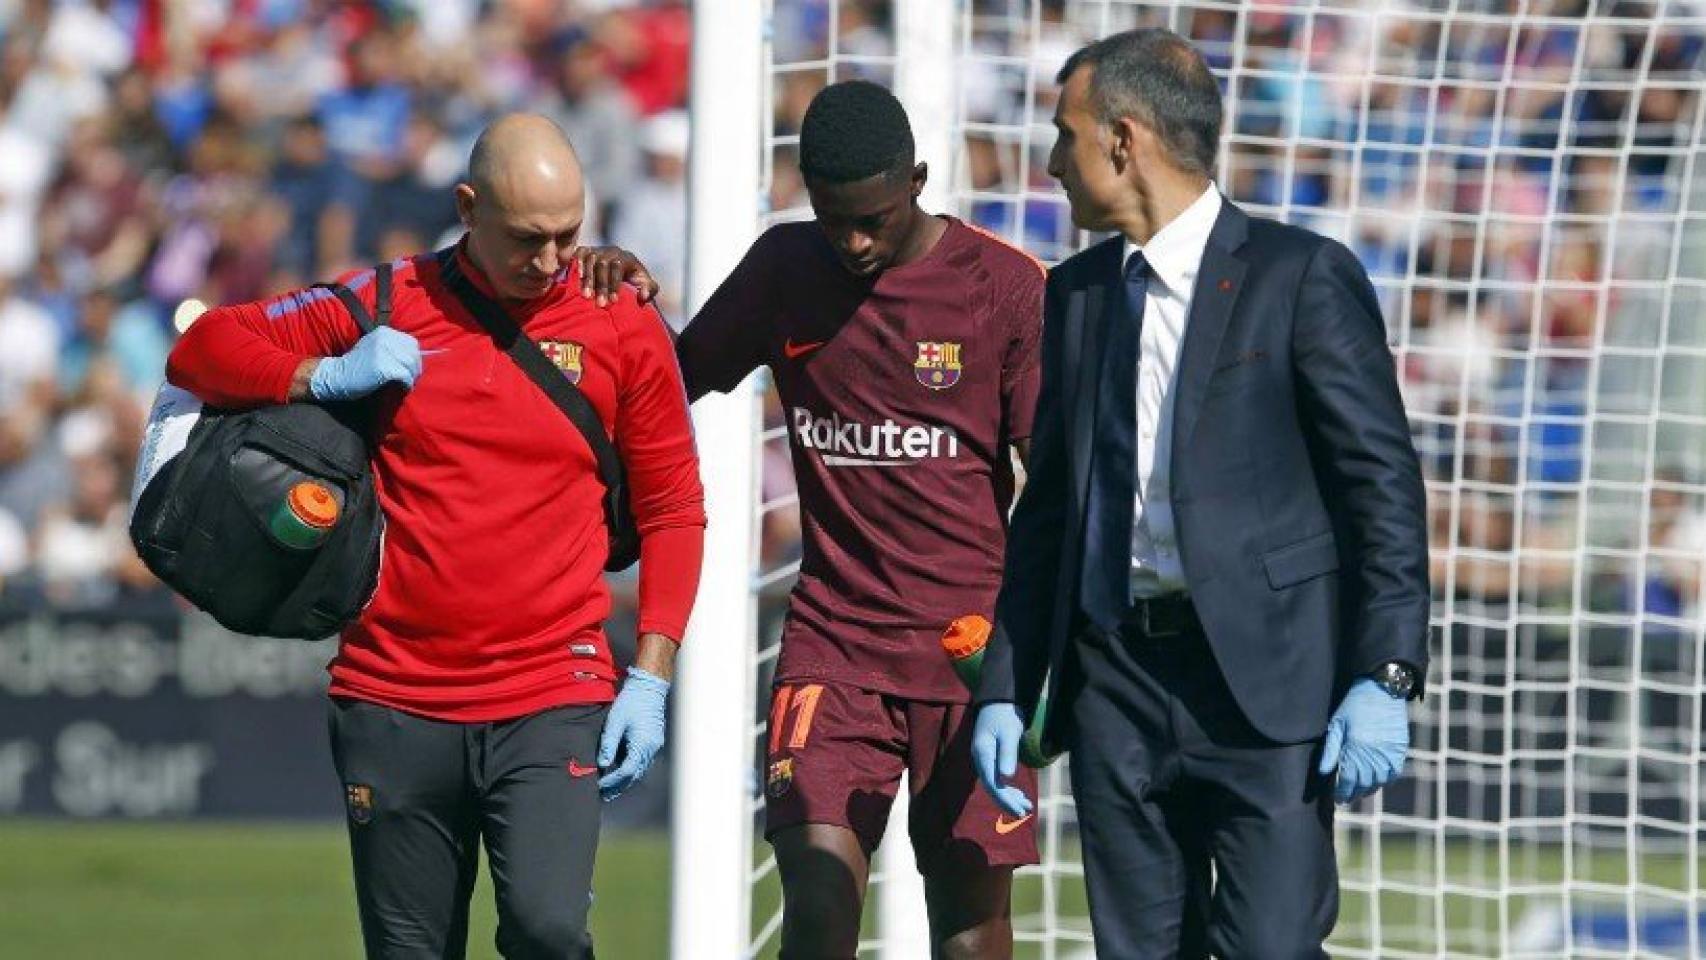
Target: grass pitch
189	891
258	892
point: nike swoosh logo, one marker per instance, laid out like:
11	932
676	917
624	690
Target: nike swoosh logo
1005	826
576	770
794	351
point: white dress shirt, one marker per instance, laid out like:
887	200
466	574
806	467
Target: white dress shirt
1175	257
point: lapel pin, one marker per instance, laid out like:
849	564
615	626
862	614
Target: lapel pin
1225	285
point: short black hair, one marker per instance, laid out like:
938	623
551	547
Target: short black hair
854	130
1159	79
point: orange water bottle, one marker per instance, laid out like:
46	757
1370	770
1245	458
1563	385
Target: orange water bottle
306	516
964	643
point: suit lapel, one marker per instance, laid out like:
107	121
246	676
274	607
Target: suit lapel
1087	324
1074	336
1219	281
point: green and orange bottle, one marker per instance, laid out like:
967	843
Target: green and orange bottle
964	643
306	516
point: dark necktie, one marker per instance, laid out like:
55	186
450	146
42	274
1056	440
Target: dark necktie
1113	472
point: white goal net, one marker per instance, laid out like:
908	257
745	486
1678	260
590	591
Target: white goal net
1523	180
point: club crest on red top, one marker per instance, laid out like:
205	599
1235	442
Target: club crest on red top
566	354
938	365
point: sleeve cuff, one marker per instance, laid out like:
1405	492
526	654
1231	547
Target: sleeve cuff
669	579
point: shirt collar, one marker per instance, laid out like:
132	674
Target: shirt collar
1175	252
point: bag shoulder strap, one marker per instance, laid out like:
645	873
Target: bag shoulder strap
352	303
533	362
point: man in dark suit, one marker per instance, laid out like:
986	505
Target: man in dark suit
1219	562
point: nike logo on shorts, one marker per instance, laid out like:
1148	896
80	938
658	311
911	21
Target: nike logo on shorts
794	351
1005	826
576	770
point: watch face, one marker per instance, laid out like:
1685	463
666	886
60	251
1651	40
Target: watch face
1396	679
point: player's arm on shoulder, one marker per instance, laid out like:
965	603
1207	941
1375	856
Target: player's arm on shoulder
1350	403
249	354
725	340
654	436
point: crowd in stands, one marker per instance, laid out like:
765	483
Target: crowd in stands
1513	186
228	150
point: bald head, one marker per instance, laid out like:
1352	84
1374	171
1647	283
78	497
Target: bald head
523	150
523	203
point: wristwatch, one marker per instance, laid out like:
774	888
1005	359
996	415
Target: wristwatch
1396	678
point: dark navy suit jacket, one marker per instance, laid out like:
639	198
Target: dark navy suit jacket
1296	492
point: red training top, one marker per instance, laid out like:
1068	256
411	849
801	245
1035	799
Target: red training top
902	393
491	599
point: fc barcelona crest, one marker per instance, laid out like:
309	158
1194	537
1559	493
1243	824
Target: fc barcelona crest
781	778
566	354
938	364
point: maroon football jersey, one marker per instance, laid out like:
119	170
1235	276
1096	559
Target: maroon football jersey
902	393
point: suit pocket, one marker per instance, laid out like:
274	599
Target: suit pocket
1304	560
1247	357
1234	377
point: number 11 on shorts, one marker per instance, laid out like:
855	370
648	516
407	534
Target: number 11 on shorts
804	702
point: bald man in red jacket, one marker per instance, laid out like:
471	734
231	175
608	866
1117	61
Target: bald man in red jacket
473	699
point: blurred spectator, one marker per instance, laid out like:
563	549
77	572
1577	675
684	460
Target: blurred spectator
46	287
26	168
649	47
182	98
289	75
52	92
247	231
411	199
366	121
302	179
128	340
865	29
197	207
83	540
600	119
366	125
33	472
29	362
652	219
88	34
95	215
136	129
444	23
1676	541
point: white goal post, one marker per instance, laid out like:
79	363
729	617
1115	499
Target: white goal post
1526	182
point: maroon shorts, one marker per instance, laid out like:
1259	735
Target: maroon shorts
835	756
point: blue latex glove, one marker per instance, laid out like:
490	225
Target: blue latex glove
1366	741
635	727
995	753
386	355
